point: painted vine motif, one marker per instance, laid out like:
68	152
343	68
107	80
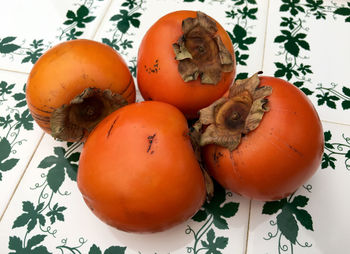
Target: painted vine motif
14	119
212	215
334	150
290	215
121	36
40	219
240	15
72	28
293	64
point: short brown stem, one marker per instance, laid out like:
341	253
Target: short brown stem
71	122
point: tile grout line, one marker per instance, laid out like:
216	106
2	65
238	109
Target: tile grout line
102	19
248	227
337	123
22	175
15	71
265	34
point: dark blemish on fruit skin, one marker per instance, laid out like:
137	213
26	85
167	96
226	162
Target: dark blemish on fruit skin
154	69
150	142
110	129
295	150
216	156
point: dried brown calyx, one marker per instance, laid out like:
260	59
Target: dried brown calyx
227	119
201	52
71	122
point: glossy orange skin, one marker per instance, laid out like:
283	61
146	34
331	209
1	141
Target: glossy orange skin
166	83
275	159
136	186
65	70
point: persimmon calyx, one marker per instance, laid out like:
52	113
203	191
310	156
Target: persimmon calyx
201	52
72	121
241	112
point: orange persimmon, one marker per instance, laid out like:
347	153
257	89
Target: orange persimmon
263	144
74	85
138	171
186	59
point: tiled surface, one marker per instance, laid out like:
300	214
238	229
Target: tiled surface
19	136
47	221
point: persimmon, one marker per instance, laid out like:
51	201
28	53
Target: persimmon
264	140
186	59
138	171
74	85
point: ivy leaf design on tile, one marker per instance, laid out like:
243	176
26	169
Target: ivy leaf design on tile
316	7
130	4
7	45
213	213
241	13
80	18
213	243
5	121
34	52
239	37
31	216
5	89
24	120
344	11
290	213
334	149
59	166
12	123
293	42
36	216
17	245
56	213
111	250
20	98
288	22
6	164
293	6
330	95
217	209
285	71
248	13
125	18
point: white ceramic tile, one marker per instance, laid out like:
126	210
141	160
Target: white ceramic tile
76	227
19	134
34	26
312	46
322	197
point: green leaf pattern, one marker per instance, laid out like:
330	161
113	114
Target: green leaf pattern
73	28
13	121
213	213
121	38
294	45
334	150
290	215
240	15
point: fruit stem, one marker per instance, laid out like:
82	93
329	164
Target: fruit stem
73	121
